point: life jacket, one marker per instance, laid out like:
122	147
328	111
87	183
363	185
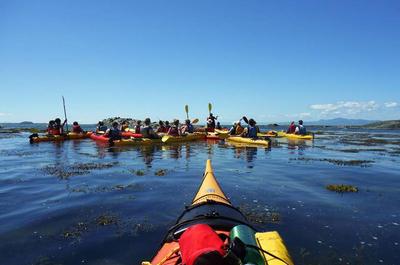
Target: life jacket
145	131
302	130
252	131
188	128
57	130
239	129
114	134
76	129
102	128
201	245
291	129
173	131
161	129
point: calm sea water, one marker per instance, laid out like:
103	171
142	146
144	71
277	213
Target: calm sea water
77	202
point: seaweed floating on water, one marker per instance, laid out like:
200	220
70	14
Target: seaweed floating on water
118	187
104	220
76	231
138	172
342	188
64	172
256	215
161	172
339	162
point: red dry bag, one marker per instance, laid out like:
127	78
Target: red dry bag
200	245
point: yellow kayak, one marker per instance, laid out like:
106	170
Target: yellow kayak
244	140
267	134
217	135
211	207
35	138
296	136
185	138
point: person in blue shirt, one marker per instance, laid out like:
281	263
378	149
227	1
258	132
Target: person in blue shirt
101	128
187	128
114	133
251	130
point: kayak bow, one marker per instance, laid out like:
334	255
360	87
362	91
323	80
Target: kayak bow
210	206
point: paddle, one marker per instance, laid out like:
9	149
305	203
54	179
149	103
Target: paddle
65	113
187	111
245	119
194	121
209	108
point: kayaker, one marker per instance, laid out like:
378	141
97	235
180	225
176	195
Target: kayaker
147	131
76	128
300	129
101	128
167	126
251	130
174	129
239	128
114	133
211	123
124	126
219	127
291	128
187	128
58	128
50	127
161	127
232	130
138	126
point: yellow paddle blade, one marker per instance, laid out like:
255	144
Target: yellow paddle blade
209	107
194	121
165	138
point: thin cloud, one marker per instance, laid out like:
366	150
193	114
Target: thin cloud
391	104
4	114
345	107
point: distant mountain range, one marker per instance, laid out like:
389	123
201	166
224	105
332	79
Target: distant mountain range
341	121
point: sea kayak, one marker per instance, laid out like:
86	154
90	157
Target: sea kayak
210	221
244	140
216	135
128	134
268	134
124	142
184	138
296	136
35	138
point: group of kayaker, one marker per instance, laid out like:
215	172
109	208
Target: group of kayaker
299	129
250	131
146	130
55	127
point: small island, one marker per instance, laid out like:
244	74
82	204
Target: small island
26	122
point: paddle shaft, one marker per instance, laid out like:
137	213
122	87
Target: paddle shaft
65	113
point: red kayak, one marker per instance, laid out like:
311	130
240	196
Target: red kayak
131	134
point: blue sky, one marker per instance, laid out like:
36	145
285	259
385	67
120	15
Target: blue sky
271	60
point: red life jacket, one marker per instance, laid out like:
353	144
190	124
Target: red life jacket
76	129
199	245
173	131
